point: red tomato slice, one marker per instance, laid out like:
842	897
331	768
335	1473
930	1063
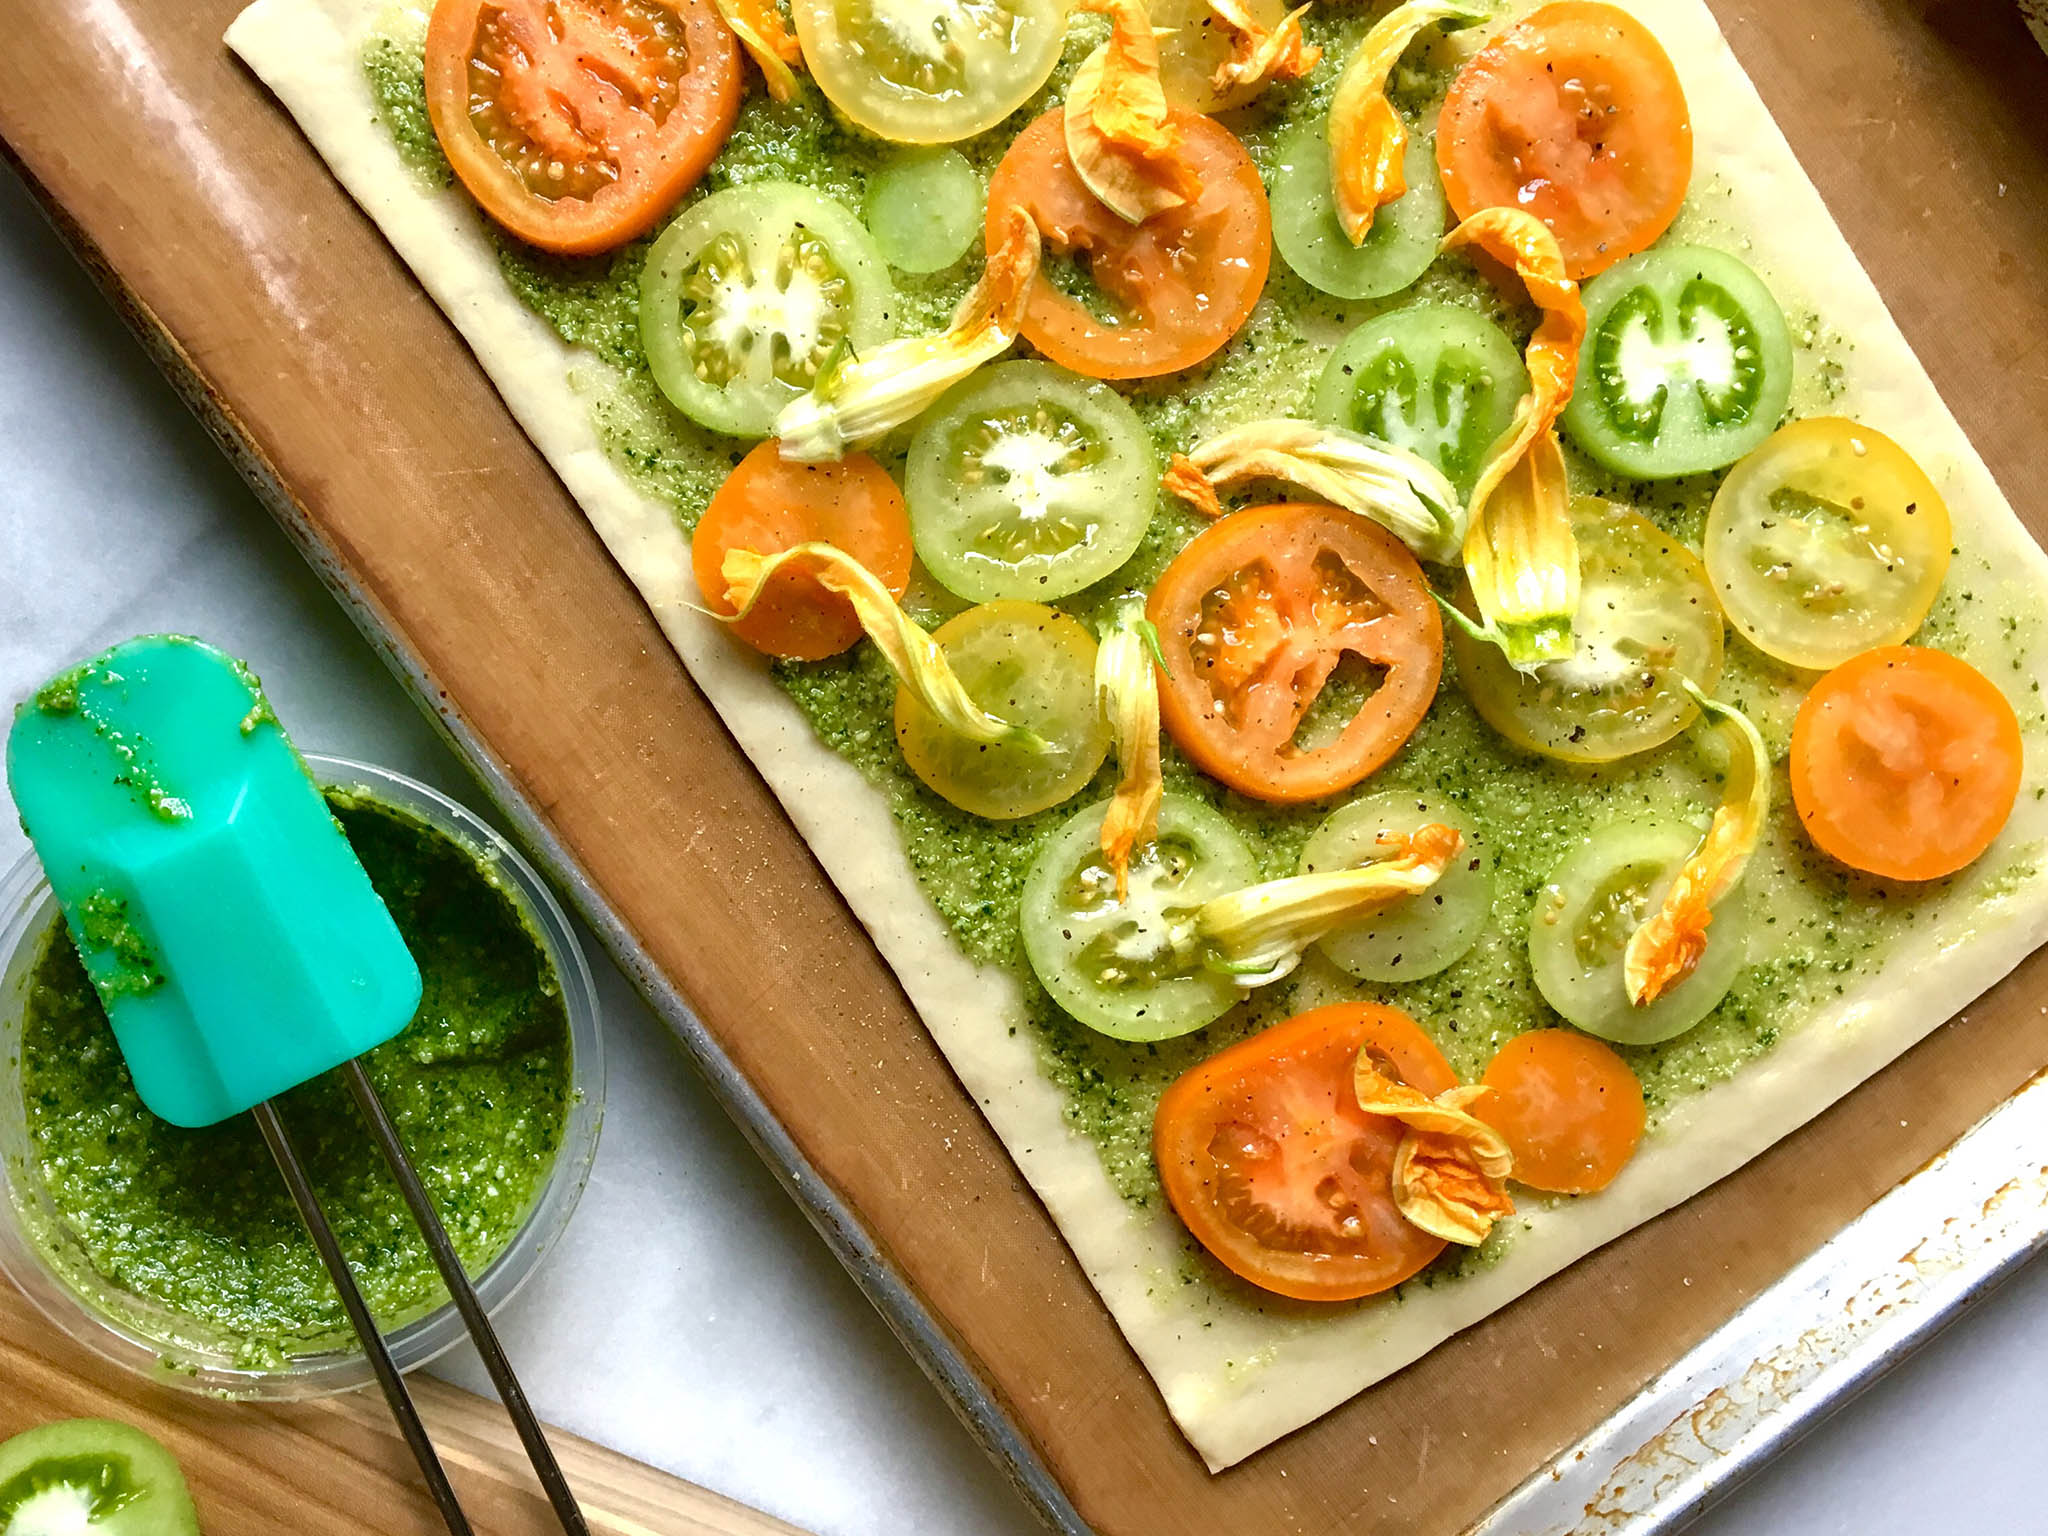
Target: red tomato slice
1573	114
1268	1159
578	123
1185	280
769	504
1905	762
1255	617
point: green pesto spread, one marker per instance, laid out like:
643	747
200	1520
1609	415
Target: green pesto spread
1824	925
199	1224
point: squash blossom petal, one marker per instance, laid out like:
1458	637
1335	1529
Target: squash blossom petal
1258	935
861	398
769	43
1671	941
1403	493
1257	55
1127	691
1367	136
912	654
1120	132
1451	1169
1520	556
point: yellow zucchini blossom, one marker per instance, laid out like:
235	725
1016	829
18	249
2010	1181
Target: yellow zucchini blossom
1120	131
1403	493
861	398
1259	934
1520	556
1367	136
912	654
1451	1169
1257	55
1671	941
769	43
1127	692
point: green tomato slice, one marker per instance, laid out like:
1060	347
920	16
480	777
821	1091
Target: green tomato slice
1027	481
1404	234
92	1475
1646	623
1433	378
1033	667
1686	365
750	293
1413	936
1598	897
1133	968
925	209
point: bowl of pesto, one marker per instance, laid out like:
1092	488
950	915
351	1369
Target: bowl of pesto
179	1254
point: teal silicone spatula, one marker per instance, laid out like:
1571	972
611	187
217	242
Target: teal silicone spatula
235	940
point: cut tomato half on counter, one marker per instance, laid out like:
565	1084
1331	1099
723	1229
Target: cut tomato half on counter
578	124
1167	292
1301	647
1267	1158
1575	115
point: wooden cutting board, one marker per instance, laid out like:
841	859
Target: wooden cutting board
383	450
336	1467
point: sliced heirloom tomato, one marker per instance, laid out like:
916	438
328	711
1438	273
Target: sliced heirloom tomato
81	1476
1646	622
1133	968
1905	763
1403	239
748	295
1031	667
577	124
1433	378
1196	46
1409	937
1257	615
1826	541
1269	1161
1573	114
1593	903
1025	481
1175	287
924	209
1686	365
769	504
929	71
1571	1109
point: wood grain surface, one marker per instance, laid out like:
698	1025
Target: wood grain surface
326	370
336	1467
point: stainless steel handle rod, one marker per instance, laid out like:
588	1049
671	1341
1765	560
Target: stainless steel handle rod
393	1385
545	1467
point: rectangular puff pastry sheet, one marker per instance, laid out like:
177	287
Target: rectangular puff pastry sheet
1235	1378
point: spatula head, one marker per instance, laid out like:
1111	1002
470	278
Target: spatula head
235	940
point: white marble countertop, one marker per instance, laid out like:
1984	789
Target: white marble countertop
691	1317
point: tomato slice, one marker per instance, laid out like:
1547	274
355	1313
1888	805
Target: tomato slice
1905	763
578	123
92	1475
1409	937
1571	1109
1267	1158
1257	616
1573	114
1827	541
1174	288
1403	239
769	504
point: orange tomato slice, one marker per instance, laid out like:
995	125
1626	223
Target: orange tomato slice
1576	115
1570	1108
1905	762
1267	1158
769	504
578	123
1183	281
1256	616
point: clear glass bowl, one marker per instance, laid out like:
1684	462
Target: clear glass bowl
176	1350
